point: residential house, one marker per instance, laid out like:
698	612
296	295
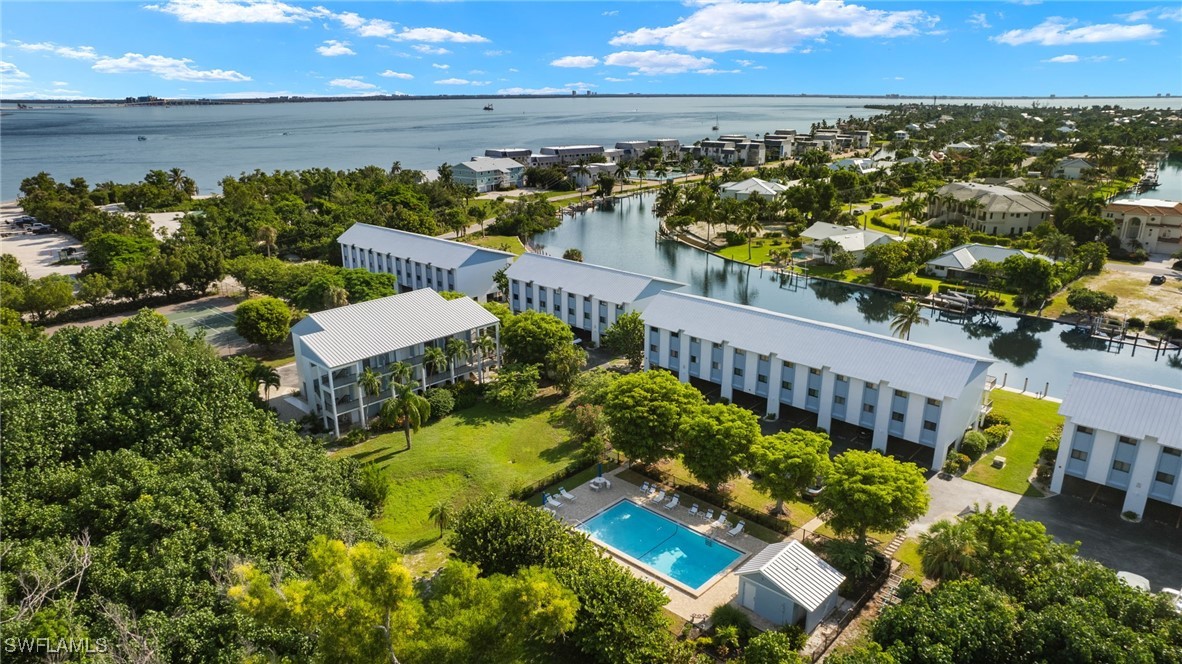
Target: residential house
862	166
333	348
862	138
894	388
633	149
745	189
1071	168
1035	149
488	173
1155	224
786	584
752	153
519	155
958	262
900	135
422	261
777	147
850	238
587	297
669	146
591	176
960	147
1122	434
721	152
989	208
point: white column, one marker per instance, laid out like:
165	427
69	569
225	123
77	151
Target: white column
825	407
1141	479
882	416
775	370
683	357
595	321
853	401
728	370
644	364
332	404
664	344
1063	456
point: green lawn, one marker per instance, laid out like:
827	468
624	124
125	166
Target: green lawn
468	455
1032	420
760	251
508	243
742	491
908	554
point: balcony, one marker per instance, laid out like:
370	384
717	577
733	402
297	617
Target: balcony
990	383
986	407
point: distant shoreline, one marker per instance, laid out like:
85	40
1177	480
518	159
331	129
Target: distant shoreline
151	101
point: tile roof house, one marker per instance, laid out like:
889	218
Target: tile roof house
989	208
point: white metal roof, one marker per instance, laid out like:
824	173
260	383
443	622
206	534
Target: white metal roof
754	185
489	164
1125	407
354	332
796	572
607	284
906	365
966	255
851	238
446	254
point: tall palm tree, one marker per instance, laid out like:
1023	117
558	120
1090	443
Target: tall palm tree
581	168
401	372
910	208
370	384
668	200
441	515
661	172
907	314
828	247
445	174
435	361
748	224
1057	245
266	377
407	408
946	550
486	345
266	236
457	351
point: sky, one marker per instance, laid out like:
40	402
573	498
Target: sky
263	48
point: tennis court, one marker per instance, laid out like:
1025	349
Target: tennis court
218	325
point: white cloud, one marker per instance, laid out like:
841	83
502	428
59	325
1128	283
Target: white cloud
575	61
60	84
495	53
978	21
744	63
711	72
390	73
1057	31
1063	59
1164	13
533	91
435	35
351	84
476	72
613	12
430	50
657	62
513	70
776	27
440	66
759	67
580	84
169	69
460	81
613	79
236	11
9	71
72	52
332	48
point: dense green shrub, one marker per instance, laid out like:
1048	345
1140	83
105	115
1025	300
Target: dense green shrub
974	444
442	402
466	394
993	418
734	239
371	488
910	287
1134	323
727	615
996	435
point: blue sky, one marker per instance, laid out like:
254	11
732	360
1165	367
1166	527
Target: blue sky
242	48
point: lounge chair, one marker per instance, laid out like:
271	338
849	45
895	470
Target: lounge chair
659	497
721	522
602	482
693	510
551	501
645	489
708	515
673	503
737	529
564	493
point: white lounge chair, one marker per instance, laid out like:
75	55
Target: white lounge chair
708	515
737	529
673	503
553	502
659	497
694	510
721	522
645	489
564	493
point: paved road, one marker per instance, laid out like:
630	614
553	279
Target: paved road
1156	265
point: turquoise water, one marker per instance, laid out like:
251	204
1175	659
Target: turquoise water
669	548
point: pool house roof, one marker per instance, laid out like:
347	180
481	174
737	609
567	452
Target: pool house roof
796	572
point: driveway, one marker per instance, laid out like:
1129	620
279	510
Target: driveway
950	497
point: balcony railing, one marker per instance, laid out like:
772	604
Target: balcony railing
990	382
987	407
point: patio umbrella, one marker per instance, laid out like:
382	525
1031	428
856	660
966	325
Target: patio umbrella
600	469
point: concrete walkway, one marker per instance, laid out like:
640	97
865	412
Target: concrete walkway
950	497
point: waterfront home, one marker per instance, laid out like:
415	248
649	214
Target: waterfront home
1035	149
333	348
669	146
519	155
787	584
488	173
564	155
589	176
422	261
744	189
587	297
958	262
961	146
721	152
1071	168
850	238
1123	435
988	208
633	149
752	153
900	135
894	388
863	166
1154	223
778	147
861	138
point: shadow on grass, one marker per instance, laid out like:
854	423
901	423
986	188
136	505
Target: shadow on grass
415	546
564	451
487	413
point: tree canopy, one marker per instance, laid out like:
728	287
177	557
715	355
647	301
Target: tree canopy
626	337
868	491
645	411
715	440
265	320
530	336
785	463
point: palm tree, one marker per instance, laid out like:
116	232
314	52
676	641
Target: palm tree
1057	245
907	314
486	345
748	225
266	236
661	171
334	296
581	169
266	377
946	550
668	200
828	247
406	407
435	361
370	383
456	351
401	372
440	515
910	208
445	174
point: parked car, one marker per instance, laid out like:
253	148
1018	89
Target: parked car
24	220
40	229
813	491
1134	580
1157	279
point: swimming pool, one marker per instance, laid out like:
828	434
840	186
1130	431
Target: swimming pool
666	547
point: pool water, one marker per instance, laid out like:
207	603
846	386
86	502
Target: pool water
659	543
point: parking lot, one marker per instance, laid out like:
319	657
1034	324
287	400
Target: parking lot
37	253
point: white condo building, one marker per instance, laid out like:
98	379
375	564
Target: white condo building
587	297
422	261
333	348
914	392
1122	434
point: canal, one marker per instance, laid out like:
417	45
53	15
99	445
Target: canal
1033	352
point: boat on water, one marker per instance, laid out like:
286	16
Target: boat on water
488	107
715	127
141	138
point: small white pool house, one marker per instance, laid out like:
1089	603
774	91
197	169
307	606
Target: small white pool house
788	584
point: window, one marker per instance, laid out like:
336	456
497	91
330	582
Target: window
694	340
673	336
839	400
787	385
1122	466
815	372
761	378
1172	451
713	365
528	300
762	358
813	393
871	386
867	408
1085	430
603	320
738	371
929	425
694	359
789	365
901	394
653	347
516	297
1164	478
1079	455
841	379
1127	441
933	402
673	353
896	416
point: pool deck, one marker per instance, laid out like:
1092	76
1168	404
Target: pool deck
587	503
